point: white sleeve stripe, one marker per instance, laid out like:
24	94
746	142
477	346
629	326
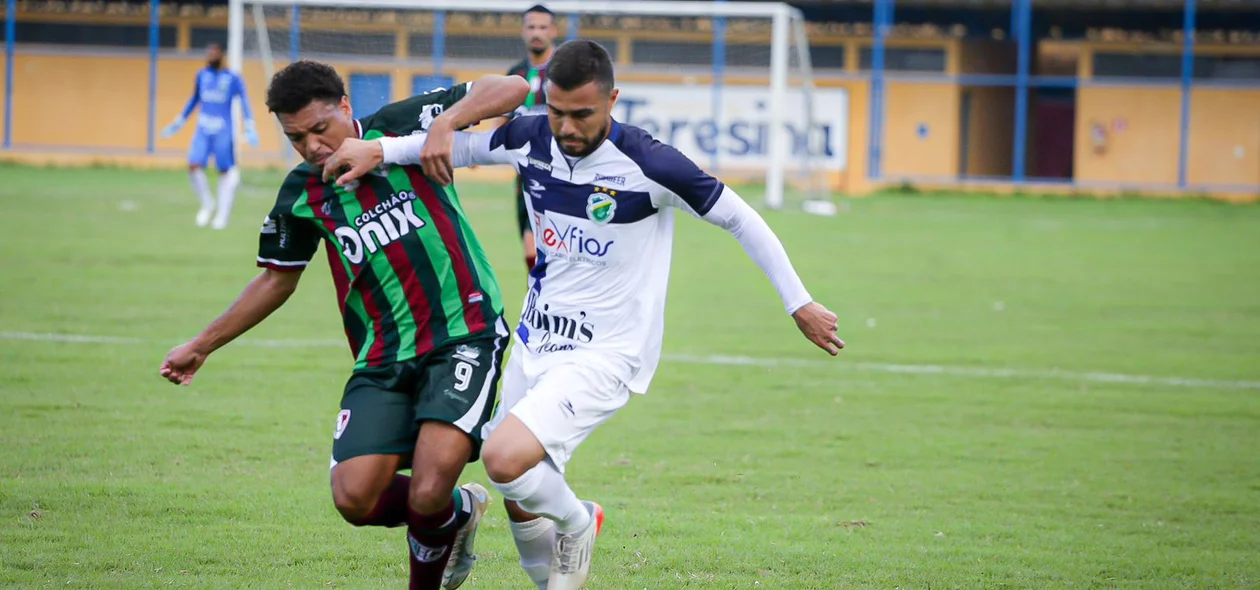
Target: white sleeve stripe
280	262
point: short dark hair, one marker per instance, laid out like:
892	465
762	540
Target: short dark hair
579	62
300	83
540	9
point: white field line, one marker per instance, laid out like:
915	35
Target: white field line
746	361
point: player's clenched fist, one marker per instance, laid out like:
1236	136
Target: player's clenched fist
819	325
353	159
181	364
435	157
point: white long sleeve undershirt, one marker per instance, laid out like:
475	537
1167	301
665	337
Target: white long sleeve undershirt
734	215
729	212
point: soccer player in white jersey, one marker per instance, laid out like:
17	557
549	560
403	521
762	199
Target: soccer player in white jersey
214	90
601	197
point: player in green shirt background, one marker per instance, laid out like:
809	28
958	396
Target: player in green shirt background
421	307
538	31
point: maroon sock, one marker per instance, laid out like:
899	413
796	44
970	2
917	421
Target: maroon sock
391	507
430	537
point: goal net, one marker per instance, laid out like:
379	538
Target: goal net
728	84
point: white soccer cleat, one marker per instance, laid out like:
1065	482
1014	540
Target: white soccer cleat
219	223
204	215
572	562
462	557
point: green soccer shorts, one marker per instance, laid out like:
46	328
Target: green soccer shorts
382	407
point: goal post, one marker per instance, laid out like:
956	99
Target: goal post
761	123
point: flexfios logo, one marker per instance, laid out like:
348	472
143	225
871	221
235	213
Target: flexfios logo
569	241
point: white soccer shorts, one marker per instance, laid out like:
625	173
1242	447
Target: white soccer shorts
561	404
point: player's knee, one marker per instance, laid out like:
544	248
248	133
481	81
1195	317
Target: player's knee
354	498
502	464
353	503
428	495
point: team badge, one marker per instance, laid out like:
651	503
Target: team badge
343	420
600	208
427	116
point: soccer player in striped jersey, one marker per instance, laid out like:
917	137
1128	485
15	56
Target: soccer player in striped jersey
421	307
214	90
602	197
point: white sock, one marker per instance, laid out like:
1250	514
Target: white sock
543	491
227	192
534	541
201	187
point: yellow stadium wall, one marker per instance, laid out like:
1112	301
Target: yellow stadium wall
108	107
80	101
1141	130
3	81
1142	135
1224	137
908	106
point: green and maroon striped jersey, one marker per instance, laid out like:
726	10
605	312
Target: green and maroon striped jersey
409	271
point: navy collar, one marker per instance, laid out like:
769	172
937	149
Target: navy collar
614	134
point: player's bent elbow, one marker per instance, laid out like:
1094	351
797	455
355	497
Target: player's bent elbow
515	87
282	283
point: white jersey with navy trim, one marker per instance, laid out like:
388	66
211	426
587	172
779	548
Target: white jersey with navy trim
604	229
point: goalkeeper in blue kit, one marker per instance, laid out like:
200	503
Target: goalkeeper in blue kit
214	89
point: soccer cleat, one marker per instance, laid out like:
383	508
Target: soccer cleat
572	562
219	223
203	216
462	557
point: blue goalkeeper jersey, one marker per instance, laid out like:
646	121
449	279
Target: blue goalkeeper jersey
214	90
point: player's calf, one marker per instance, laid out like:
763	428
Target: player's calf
535	539
435	513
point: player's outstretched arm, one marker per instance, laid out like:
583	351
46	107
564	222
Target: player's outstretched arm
357	157
263	296
685	184
238	90
490	96
816	322
441	148
182	117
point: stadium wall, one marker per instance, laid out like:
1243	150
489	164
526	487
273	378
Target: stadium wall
945	122
1128	134
102	119
67	105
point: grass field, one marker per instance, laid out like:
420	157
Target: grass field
1036	394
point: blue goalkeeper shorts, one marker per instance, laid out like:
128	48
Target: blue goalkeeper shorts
220	145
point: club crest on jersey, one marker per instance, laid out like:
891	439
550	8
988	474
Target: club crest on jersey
600	208
427	116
